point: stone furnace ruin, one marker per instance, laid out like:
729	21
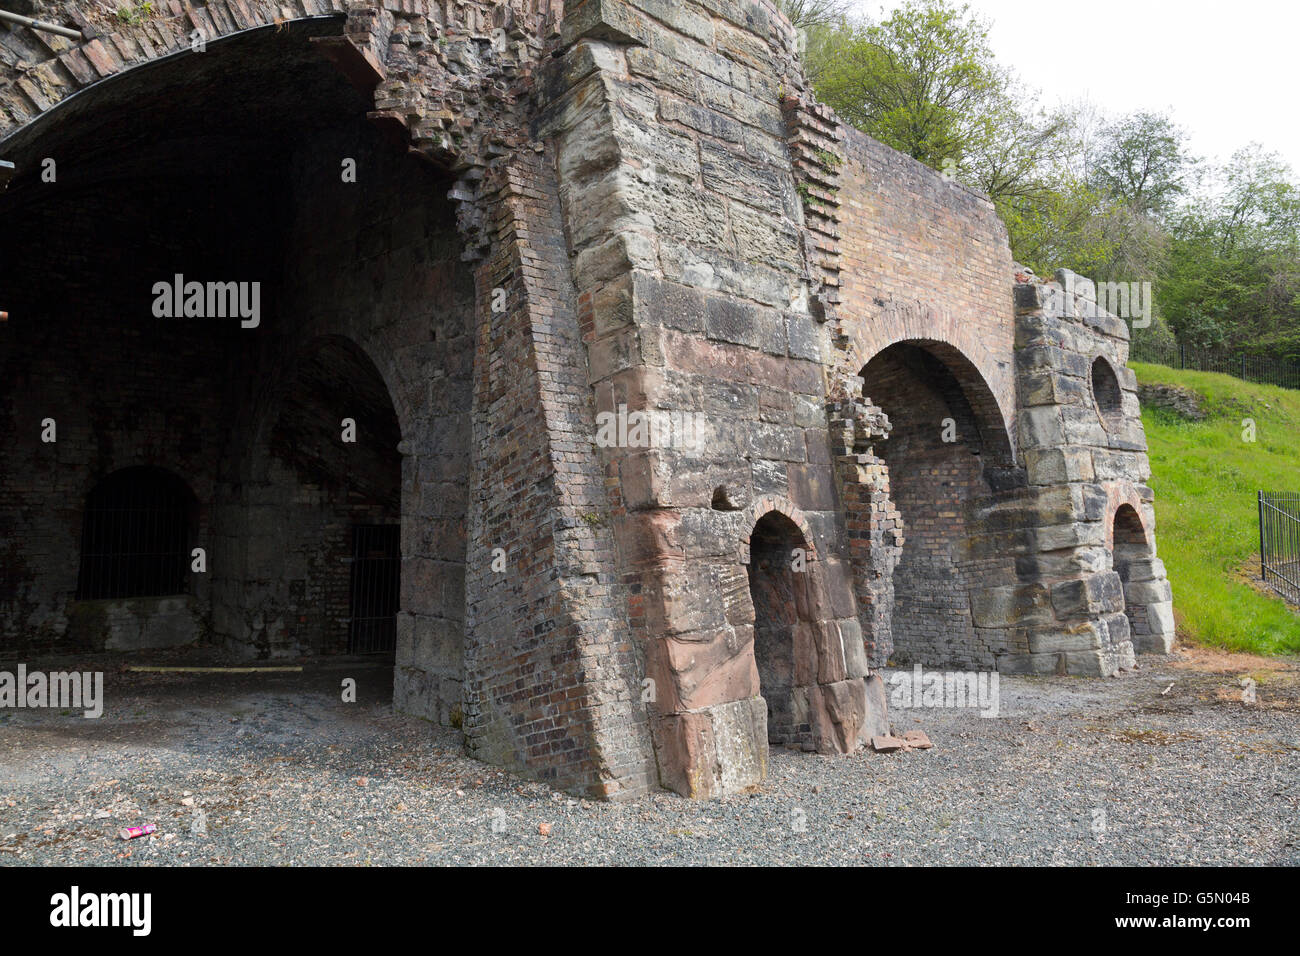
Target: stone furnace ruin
574	354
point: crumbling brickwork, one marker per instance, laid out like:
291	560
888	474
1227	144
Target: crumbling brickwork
694	407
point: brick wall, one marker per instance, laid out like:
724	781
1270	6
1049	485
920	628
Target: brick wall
922	258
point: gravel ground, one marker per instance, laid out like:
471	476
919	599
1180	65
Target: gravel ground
275	769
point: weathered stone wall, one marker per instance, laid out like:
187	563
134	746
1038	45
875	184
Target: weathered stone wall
1086	462
683	223
648	215
548	686
1181	401
553	678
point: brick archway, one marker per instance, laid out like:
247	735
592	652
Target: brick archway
949	456
987	370
63	72
766	504
224	167
1118	495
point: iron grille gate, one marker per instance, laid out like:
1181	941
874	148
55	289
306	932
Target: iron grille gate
135	536
1279	543
376	586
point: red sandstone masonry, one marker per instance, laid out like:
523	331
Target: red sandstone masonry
693	232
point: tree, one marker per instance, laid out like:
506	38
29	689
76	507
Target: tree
805	14
1233	275
1141	159
923	81
1113	199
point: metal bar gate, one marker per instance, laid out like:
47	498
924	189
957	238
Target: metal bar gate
376	588
1279	543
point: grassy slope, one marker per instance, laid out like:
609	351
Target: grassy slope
1205	479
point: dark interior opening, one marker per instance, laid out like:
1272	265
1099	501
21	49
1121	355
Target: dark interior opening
226	167
773	586
1130	545
376	588
136	534
947	455
1105	389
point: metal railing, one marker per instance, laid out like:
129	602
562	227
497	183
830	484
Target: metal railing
1279	543
1265	369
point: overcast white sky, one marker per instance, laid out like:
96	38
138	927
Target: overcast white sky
1229	72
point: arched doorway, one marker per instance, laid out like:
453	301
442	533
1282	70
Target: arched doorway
225	261
1130	558
330	479
779	582
948	455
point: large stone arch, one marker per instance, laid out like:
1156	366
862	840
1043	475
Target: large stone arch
947	461
984	364
219	166
808	674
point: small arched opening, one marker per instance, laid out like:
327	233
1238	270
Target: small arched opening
136	536
1106	394
140	564
1130	556
779	578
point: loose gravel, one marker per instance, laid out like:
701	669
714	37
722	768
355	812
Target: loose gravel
276	769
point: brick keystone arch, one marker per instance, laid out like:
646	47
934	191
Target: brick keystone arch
49	71
767	504
1119	494
977	364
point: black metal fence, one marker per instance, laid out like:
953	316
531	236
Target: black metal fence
1279	543
1266	369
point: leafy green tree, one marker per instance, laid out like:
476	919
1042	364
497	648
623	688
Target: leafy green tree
1142	159
924	80
806	14
1113	199
1233	275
